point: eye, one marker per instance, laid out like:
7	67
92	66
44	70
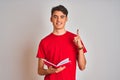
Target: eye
62	16
54	16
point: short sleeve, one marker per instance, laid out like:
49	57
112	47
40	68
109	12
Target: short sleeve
40	52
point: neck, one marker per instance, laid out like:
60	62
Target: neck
59	31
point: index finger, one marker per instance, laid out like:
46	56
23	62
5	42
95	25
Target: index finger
77	31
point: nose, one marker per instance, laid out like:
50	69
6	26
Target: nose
58	19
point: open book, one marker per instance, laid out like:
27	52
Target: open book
61	63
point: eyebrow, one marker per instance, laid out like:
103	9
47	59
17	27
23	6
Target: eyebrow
60	15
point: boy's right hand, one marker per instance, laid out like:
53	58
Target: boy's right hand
55	70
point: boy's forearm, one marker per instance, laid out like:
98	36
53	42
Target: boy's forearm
43	72
81	60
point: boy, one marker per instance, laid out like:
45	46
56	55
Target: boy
58	45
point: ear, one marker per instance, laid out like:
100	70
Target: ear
51	19
66	18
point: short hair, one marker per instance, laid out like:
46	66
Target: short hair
59	8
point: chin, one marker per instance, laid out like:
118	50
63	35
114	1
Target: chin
59	28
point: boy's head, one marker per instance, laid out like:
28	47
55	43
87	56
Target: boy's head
59	8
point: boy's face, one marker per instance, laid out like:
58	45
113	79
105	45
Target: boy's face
58	20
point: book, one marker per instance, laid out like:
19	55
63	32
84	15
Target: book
61	63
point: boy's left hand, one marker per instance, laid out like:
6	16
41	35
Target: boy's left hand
77	40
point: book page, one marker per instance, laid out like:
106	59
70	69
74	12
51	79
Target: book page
65	61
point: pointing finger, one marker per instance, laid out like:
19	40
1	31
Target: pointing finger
77	31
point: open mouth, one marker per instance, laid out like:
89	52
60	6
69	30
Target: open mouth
58	23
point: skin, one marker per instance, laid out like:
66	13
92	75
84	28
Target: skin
59	20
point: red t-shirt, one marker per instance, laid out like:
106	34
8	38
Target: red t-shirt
55	48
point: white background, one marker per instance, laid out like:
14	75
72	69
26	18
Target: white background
23	23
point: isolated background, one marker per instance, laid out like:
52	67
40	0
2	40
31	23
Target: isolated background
23	23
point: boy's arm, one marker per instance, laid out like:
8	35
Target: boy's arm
81	57
81	60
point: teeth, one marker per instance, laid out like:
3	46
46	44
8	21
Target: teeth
58	23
